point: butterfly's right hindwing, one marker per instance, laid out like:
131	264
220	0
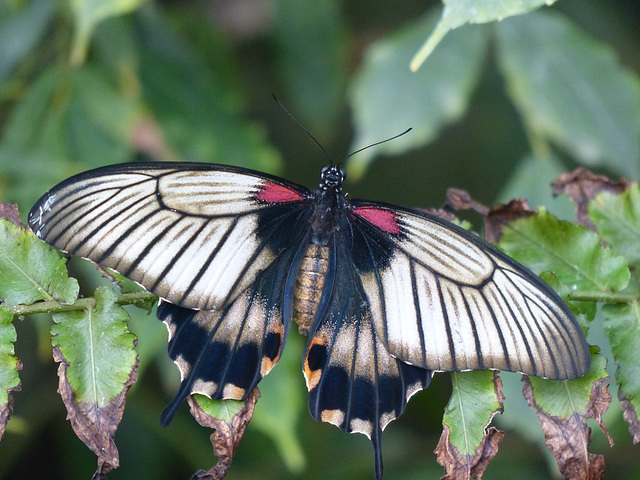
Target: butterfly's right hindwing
353	381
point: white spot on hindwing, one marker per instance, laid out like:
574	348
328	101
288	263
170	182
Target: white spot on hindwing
357	425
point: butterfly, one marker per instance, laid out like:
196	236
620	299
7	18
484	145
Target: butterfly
387	295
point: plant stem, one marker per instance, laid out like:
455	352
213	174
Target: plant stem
52	306
605	297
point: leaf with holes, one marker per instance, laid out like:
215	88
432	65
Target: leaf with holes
97	366
475	400
563	406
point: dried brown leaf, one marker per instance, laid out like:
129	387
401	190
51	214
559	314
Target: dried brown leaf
441	213
463	467
599	403
458	199
501	215
7	409
568	438
95	426
494	218
582	186
227	436
10	212
630	416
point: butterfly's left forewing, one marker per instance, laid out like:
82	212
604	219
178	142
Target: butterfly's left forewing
443	299
194	234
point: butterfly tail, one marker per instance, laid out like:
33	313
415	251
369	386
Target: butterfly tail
167	415
376	439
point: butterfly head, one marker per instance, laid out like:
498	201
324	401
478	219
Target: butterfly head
332	178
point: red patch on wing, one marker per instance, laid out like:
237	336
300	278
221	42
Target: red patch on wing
276	193
380	217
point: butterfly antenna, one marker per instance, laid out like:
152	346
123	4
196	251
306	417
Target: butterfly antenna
377	143
326	154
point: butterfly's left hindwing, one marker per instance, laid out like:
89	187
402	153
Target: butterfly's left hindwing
224	353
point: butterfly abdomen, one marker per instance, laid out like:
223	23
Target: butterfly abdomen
309	285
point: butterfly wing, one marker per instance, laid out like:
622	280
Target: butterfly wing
224	353
443	299
215	242
353	381
194	234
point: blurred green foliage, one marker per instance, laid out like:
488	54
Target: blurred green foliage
499	109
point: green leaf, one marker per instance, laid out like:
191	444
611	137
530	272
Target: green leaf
563	398
386	98
199	112
563	408
98	347
311	38
621	324
70	119
584	311
9	367
572	90
88	13
24	26
9	363
572	252
473	403
129	286
459	12
617	218
126	285
31	270
221	409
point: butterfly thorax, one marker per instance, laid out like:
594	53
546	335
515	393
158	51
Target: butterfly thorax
315	260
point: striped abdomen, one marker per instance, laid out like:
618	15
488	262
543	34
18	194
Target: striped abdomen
309	286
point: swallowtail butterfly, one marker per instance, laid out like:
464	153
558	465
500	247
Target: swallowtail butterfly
386	294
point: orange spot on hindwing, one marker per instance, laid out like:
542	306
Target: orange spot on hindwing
273	348
314	360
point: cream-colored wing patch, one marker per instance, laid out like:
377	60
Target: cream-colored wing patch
448	301
190	236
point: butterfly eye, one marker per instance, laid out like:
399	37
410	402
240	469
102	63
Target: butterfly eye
332	176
